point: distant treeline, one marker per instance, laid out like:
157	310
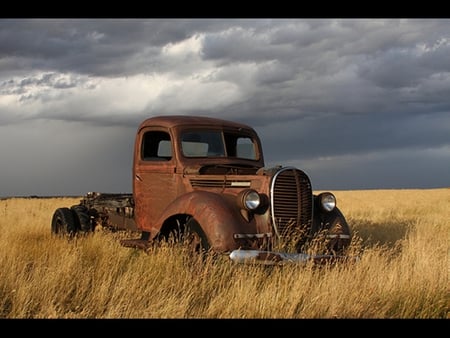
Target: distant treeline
36	197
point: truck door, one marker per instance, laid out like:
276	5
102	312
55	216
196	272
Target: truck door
154	181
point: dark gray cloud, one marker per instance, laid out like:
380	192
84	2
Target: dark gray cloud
103	47
358	103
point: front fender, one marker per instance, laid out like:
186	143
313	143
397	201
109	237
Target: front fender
334	226
218	215
326	220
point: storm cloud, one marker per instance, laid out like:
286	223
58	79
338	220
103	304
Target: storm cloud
356	103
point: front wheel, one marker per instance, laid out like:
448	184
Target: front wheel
338	237
64	222
195	237
331	233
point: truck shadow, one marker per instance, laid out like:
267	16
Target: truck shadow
386	234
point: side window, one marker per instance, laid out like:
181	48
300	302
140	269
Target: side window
245	148
240	146
156	146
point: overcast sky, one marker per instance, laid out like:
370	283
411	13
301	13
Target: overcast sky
355	103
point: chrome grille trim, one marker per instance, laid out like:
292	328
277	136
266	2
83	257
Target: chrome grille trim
251	236
223	183
291	200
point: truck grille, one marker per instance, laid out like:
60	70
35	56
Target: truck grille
291	201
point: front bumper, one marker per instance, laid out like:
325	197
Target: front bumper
282	258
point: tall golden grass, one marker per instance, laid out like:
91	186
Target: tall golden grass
402	237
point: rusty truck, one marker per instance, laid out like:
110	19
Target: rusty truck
203	180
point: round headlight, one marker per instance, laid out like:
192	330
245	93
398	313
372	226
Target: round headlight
249	199
327	201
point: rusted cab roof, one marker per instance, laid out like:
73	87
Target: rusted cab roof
171	121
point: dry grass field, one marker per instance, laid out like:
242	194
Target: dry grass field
402	237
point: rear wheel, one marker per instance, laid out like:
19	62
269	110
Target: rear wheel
83	218
64	222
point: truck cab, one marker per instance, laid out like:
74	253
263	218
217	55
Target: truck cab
207	175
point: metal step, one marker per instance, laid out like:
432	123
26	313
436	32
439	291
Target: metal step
136	243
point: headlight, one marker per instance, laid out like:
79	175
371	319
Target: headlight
248	199
327	201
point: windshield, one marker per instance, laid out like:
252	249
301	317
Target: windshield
212	143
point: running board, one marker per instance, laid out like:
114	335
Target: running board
137	243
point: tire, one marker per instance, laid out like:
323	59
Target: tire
195	238
83	218
64	222
330	234
338	245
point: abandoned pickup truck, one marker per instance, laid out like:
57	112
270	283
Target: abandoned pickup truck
203	180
